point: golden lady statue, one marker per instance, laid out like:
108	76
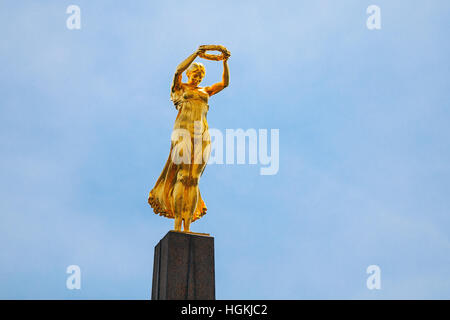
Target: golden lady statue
176	193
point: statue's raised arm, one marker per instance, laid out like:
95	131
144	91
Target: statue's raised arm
219	86
176	83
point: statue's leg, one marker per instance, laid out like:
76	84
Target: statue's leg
177	226
179	201
195	173
185	197
186	192
187	224
191	192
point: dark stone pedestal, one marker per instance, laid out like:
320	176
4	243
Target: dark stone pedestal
183	268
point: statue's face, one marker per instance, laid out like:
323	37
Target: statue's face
195	77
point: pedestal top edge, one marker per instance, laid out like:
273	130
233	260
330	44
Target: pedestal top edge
191	233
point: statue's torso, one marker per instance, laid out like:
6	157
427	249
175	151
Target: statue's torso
192	105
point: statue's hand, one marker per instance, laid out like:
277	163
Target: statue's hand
227	54
200	50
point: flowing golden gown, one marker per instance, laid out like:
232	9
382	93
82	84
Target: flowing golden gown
192	105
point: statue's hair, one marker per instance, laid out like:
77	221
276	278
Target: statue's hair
194	66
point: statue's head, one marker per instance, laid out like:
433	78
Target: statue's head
195	73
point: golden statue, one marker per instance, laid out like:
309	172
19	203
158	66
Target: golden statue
176	193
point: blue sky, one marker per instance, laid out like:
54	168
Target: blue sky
85	123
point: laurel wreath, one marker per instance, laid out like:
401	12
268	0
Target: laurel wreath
216	57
